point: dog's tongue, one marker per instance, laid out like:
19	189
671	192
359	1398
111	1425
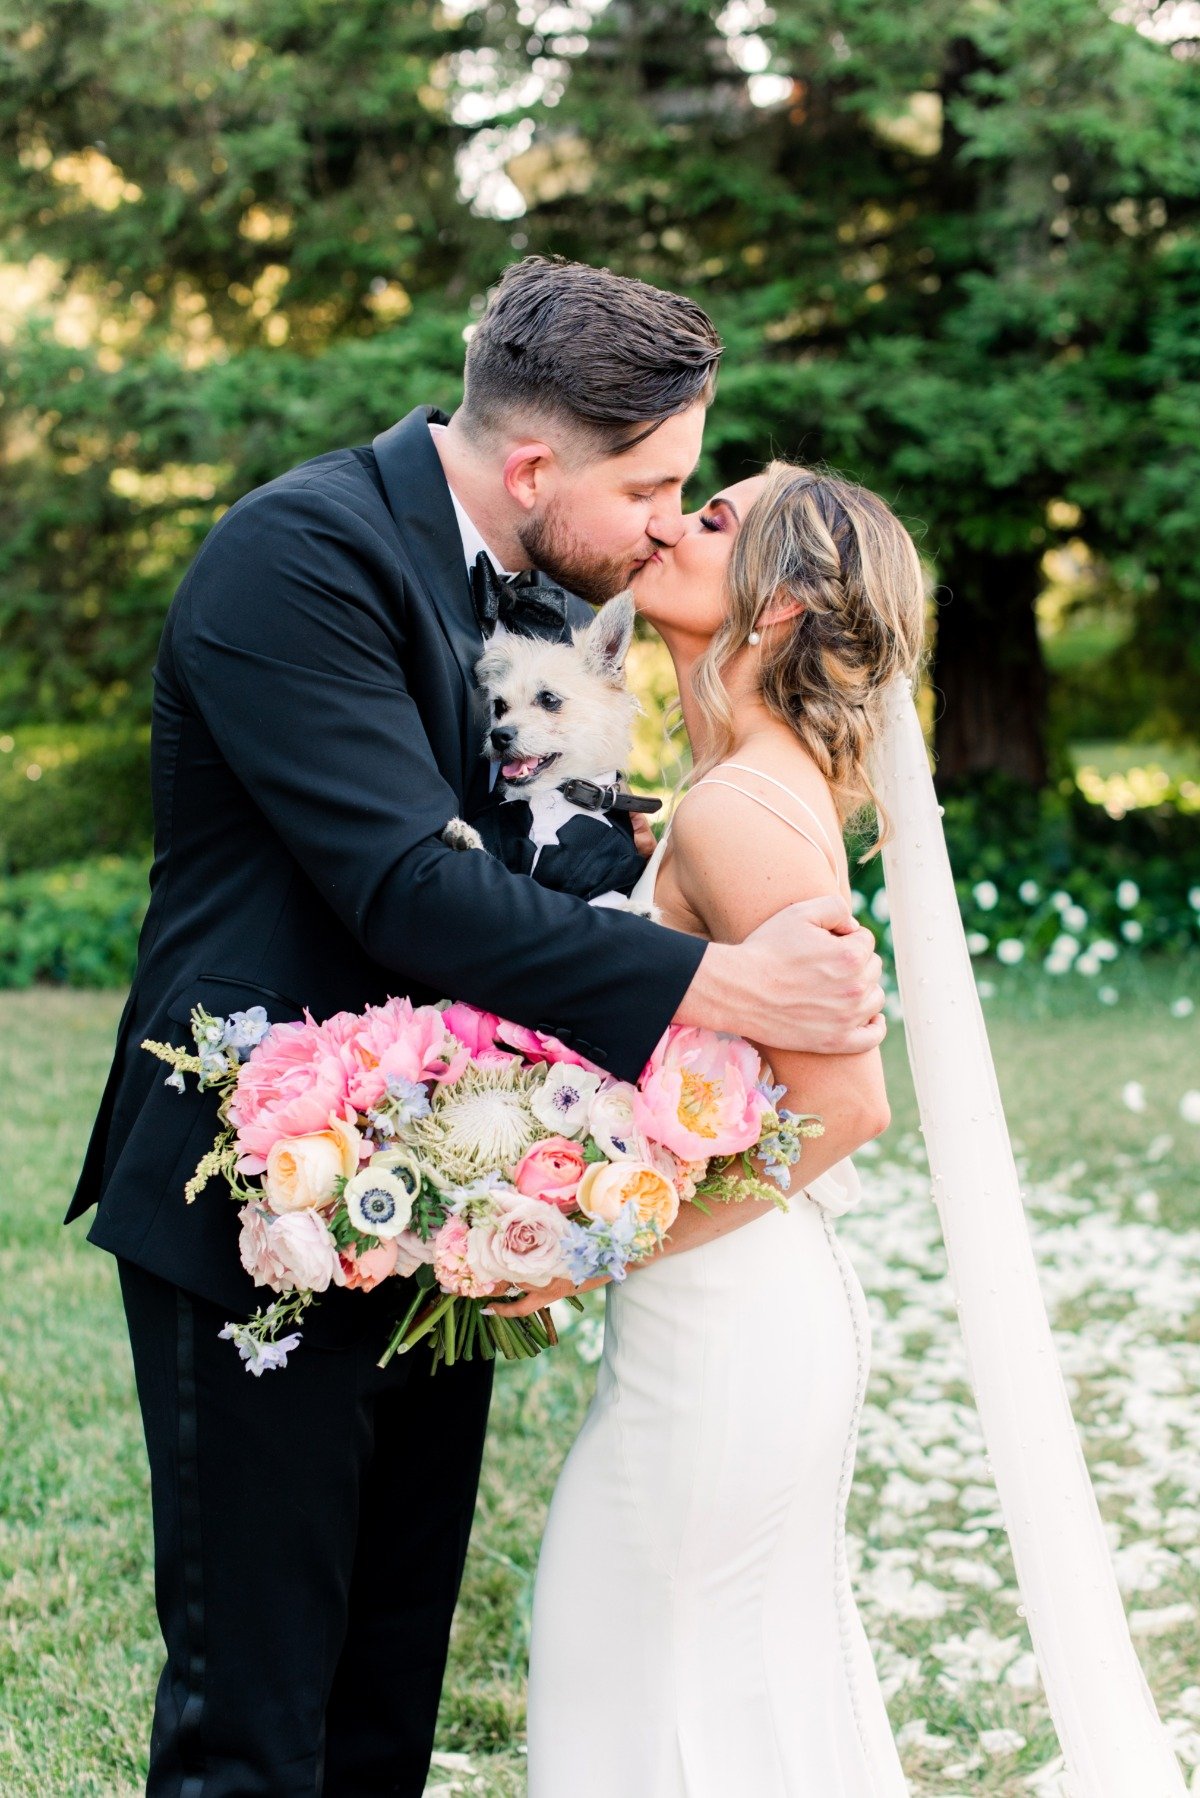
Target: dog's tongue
519	770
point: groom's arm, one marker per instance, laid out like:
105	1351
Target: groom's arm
288	640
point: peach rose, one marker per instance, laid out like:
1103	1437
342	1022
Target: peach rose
302	1171
608	1186
551	1171
362	1271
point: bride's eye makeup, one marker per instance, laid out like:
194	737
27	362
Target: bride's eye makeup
711	523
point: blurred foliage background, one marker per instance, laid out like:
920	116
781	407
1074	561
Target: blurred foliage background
953	247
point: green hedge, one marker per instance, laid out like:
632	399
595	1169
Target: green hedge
76	925
69	793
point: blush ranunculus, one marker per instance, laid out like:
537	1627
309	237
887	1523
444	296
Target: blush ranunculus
292	1253
538	1045
698	1094
363	1270
551	1171
608	1186
302	1171
289	1086
523	1246
403	1042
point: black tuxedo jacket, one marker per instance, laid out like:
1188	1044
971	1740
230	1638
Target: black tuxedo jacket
590	857
314	728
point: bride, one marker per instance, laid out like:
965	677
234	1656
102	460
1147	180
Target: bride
694	1630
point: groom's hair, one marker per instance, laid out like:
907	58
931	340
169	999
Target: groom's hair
607	355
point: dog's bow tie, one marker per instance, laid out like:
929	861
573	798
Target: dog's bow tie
528	604
594	798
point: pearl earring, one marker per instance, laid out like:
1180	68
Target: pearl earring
754	637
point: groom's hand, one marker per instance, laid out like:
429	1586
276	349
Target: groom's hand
807	979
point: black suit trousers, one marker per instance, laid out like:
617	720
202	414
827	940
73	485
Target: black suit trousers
310	1529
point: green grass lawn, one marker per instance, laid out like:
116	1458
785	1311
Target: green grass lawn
79	1651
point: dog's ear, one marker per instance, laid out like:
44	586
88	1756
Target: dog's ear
493	664
605	642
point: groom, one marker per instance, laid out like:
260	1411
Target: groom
315	726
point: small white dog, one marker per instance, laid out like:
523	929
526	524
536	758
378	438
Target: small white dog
560	721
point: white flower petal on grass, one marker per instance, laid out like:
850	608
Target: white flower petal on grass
1001	1741
1133	1095
1182	1007
1189	1107
1107	995
1128	894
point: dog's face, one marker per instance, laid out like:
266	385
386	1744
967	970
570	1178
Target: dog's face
559	711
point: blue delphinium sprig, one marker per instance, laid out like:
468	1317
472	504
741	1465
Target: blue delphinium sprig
780	1148
606	1248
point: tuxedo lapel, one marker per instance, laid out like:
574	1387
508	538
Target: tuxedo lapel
419	500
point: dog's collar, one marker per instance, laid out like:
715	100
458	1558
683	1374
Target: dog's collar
594	798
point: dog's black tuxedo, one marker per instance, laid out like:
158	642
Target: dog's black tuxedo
315	726
588	858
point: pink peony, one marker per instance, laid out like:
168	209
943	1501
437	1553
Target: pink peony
536	1045
288	1087
292	1253
551	1171
697	1094
523	1246
399	1041
454	1269
363	1271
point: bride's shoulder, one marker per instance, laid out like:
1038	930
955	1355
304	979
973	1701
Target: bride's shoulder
766	788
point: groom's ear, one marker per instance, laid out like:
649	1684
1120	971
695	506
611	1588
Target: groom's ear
525	470
605	642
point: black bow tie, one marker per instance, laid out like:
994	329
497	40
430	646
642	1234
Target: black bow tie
528	604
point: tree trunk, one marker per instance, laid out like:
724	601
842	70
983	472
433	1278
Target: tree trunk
988	670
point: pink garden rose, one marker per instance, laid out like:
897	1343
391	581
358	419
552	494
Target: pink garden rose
455	1271
399	1041
363	1270
698	1094
551	1171
537	1045
288	1087
522	1247
292	1253
412	1252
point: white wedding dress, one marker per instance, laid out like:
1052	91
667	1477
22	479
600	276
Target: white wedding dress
694	1630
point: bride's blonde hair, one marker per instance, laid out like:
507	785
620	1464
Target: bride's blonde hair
844	555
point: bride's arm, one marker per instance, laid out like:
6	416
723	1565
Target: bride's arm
736	864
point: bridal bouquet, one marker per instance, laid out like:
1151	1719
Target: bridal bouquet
479	1156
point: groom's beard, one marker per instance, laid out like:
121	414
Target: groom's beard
552	546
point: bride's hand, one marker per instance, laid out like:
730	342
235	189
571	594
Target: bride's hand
538	1297
644	839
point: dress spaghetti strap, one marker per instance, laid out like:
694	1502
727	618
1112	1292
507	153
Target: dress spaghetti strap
714	779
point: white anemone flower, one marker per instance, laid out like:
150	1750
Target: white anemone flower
378	1201
563	1100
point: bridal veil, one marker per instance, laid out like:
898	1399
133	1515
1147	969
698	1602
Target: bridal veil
1113	1742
